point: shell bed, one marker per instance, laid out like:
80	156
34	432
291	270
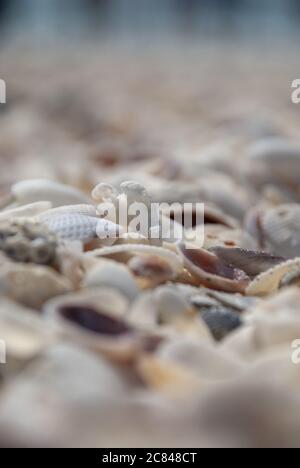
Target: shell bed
114	338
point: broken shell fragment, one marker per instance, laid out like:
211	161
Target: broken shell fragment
220	320
251	262
27	241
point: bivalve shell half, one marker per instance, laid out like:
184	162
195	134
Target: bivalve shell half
31	285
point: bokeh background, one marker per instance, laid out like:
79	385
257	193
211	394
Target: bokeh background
138	18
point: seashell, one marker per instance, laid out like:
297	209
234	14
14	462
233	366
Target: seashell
170	306
167	308
273	161
224	193
220	320
269	281
200	358
266	414
67	389
131	192
104	192
251	262
85	210
280	229
217	236
151	270
79	227
131	238
30	210
169	379
31	191
95	319
174	260
241	343
24	334
108	273
213	272
31	285
234	301
292	278
208	213
276	320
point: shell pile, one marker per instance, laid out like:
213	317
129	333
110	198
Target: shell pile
119	338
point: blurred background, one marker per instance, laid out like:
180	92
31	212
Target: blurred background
132	18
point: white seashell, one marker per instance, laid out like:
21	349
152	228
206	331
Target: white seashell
269	281
30	191
67	389
30	210
114	275
73	226
24	333
173	258
280	228
96	319
276	321
202	358
86	210
31	285
170	305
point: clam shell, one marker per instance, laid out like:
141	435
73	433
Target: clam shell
211	271
31	285
174	259
151	270
95	319
269	281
